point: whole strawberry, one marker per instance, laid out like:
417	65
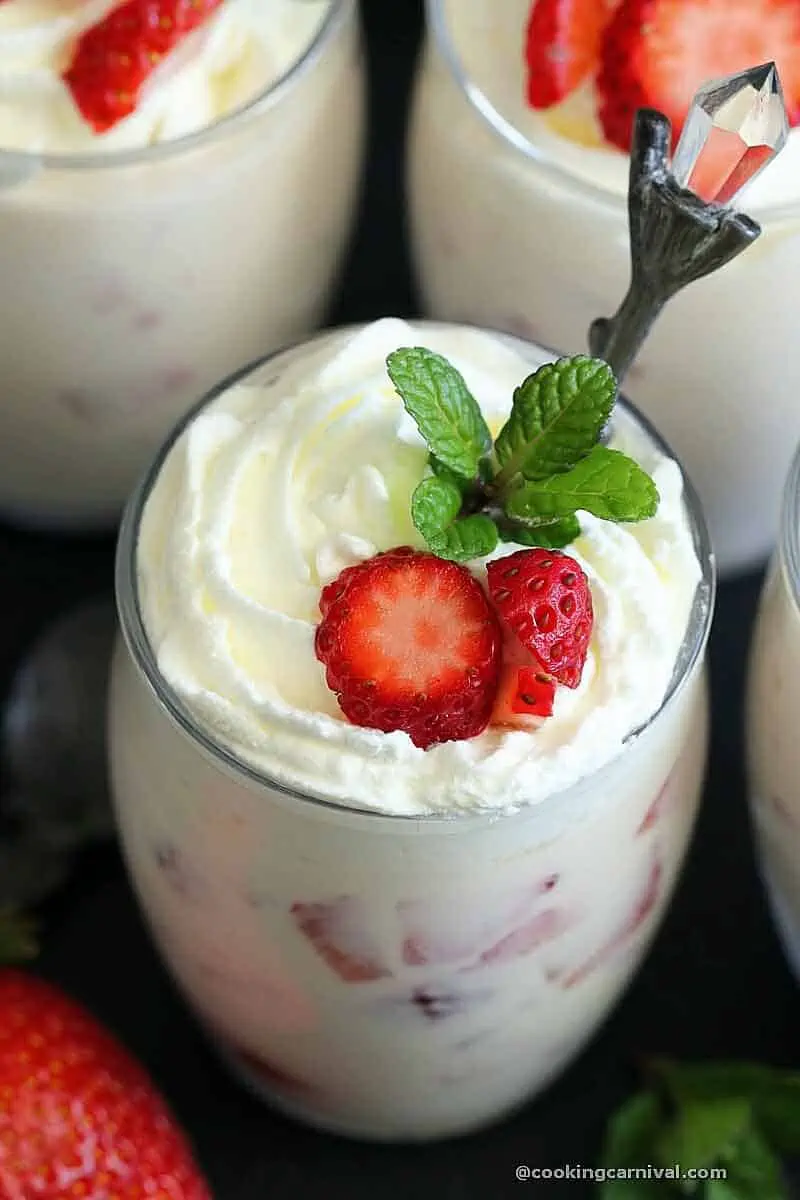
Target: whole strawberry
78	1116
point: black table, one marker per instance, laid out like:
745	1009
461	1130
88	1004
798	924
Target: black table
714	985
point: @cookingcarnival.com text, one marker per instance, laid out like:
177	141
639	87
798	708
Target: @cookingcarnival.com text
571	1171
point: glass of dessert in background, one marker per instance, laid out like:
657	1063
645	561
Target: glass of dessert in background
174	201
402	922
773	702
517	184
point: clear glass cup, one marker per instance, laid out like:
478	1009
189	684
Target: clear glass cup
134	280
773	702
387	976
504	237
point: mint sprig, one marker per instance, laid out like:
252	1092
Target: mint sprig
733	1120
544	468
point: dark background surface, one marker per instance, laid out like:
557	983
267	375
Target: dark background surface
714	985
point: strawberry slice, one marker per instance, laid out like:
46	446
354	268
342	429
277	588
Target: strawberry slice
114	58
524	697
643	907
409	642
543	597
562	46
336	931
656	53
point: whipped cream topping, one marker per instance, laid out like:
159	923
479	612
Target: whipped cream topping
308	467
489	40
244	47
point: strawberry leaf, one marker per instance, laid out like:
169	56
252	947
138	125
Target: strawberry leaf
606	483
557	417
447	415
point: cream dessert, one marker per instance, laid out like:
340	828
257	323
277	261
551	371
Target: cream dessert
402	907
519	218
773	758
152	178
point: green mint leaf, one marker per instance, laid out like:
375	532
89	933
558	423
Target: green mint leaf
753	1170
446	412
773	1094
702	1131
629	1142
719	1189
435	506
605	482
443	472
469	537
554	536
557	416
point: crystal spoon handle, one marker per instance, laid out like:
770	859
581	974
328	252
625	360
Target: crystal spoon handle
676	235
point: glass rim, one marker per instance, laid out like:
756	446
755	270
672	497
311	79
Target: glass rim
789	537
504	129
129	609
216	131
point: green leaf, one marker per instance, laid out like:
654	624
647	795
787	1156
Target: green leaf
720	1189
773	1094
702	1130
606	483
552	537
557	416
443	472
435	506
753	1171
446	412
469	537
629	1142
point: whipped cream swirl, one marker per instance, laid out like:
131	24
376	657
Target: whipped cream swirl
243	48
309	466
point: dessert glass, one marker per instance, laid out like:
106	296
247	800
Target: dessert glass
134	280
772	704
383	976
507	237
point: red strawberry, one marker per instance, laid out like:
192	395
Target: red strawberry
336	930
656	53
409	641
524	697
562	46
78	1117
543	597
114	58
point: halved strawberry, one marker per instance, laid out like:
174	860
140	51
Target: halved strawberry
114	58
543	597
409	642
656	53
562	46
336	929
